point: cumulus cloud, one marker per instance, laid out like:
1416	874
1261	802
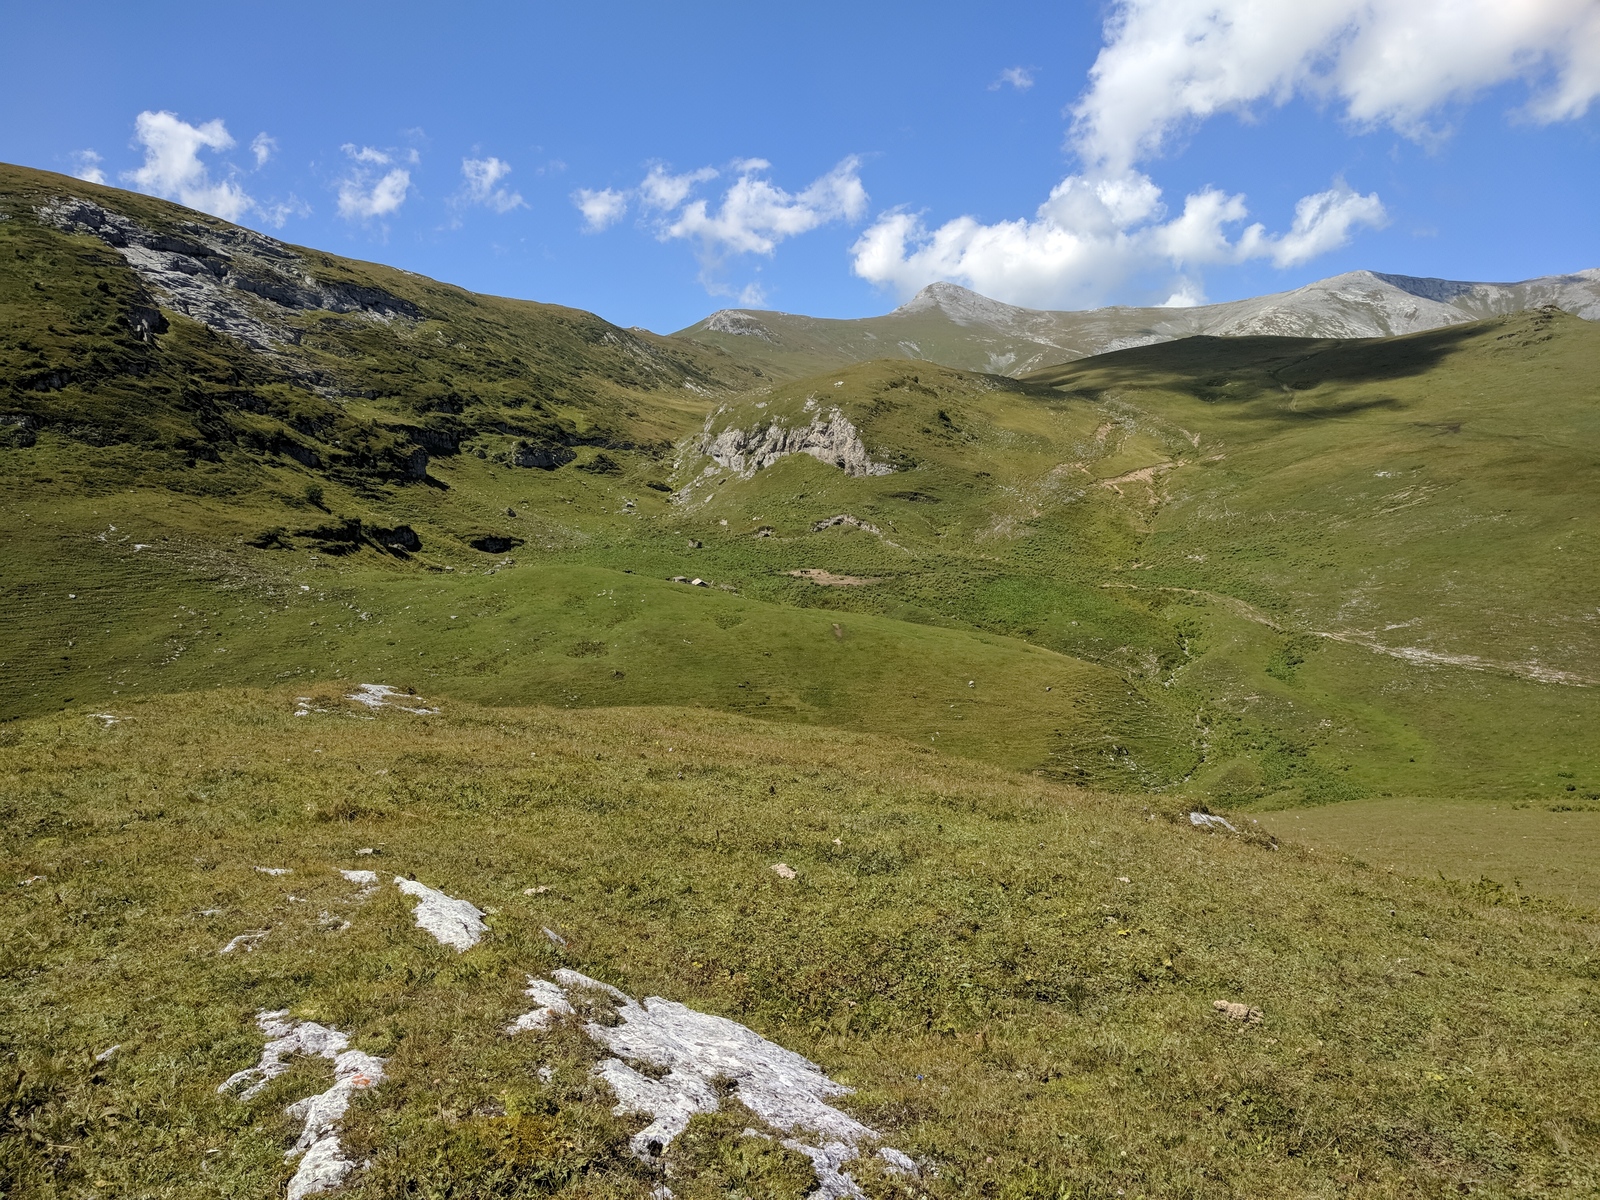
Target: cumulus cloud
1093	236
1020	78
755	214
482	176
1170	63
752	215
601	209
173	169
365	193
662	189
86	166
263	146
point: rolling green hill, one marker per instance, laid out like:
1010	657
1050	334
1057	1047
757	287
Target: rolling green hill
686	616
1259	570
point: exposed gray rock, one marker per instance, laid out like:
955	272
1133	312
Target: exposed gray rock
323	1163
740	324
829	438
452	922
18	430
543	458
229	279
845	519
381	695
245	941
957	327
697	1052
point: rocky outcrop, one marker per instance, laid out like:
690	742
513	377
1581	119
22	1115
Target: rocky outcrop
402	539
739	324
543	458
694	1060
229	279
829	438
494	543
324	1165
18	430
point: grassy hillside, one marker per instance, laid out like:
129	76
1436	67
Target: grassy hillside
296	357
1016	978
1261	571
961	651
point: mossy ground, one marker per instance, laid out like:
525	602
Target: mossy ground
1016	976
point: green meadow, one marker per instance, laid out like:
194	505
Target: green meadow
1017	977
1342	594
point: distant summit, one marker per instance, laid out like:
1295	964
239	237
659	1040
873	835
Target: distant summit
954	326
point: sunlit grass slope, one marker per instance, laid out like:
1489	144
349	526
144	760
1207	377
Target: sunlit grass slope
1017	978
1265	571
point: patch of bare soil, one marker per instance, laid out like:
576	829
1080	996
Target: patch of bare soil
829	579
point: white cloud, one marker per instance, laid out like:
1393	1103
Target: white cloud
368	155
86	166
1170	63
752	216
663	190
276	214
1323	222
360	197
1186	295
172	166
1094	236
263	146
482	175
755	214
1020	78
601	209
364	194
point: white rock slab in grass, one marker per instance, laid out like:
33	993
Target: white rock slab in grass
323	1164
552	1004
453	922
381	695
245	941
697	1051
1207	821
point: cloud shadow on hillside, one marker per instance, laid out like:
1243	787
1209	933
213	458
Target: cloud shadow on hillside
1242	368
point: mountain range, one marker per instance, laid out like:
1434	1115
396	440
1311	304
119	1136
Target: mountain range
950	325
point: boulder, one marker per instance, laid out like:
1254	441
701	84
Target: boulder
543	458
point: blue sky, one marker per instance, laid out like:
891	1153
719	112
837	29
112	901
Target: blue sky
1059	155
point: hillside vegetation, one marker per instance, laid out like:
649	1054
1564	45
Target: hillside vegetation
1256	570
1016	978
1034	687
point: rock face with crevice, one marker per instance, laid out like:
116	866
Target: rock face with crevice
696	1052
830	437
231	280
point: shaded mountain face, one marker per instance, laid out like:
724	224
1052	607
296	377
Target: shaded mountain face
956	327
